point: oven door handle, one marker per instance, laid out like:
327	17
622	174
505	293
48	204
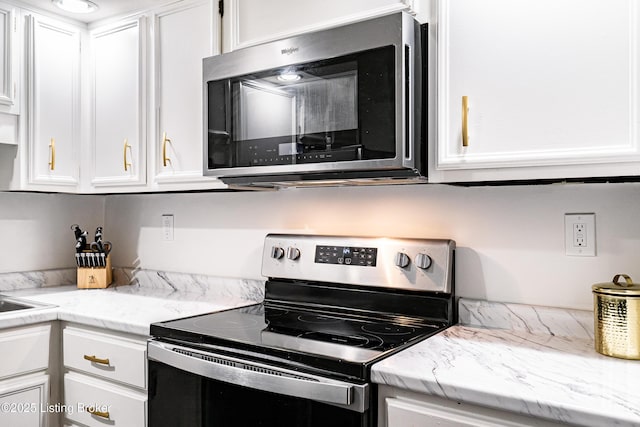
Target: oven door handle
260	376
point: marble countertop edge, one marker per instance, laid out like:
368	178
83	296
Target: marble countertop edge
534	361
131	310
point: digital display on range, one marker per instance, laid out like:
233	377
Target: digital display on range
346	255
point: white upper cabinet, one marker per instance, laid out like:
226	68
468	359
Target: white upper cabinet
249	22
118	105
552	89
183	35
9	59
52	117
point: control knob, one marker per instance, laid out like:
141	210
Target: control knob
293	253
402	259
423	261
277	252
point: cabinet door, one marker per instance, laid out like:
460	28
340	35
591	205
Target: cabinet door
119	137
53	102
24	401
177	75
9	59
249	22
24	349
552	89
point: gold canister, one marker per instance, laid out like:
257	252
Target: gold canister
617	318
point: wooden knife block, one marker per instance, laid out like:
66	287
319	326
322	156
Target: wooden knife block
95	277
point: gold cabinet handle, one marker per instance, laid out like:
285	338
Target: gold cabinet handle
52	154
96	359
465	121
97	413
126	164
165	159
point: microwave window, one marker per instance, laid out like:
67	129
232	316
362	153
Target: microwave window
334	110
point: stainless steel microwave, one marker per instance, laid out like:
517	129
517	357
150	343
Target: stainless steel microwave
342	105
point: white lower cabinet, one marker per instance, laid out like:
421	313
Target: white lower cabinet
401	408
24	381
24	401
105	382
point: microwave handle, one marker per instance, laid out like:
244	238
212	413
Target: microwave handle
409	107
257	376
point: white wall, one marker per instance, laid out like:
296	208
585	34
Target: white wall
35	231
510	239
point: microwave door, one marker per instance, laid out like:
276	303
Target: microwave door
265	113
351	112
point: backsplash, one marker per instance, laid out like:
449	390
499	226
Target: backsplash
171	283
210	286
37	279
526	318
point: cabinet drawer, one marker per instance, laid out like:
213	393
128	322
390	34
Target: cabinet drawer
24	349
117	406
104	355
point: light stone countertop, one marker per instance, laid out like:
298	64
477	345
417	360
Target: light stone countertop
529	360
128	308
524	359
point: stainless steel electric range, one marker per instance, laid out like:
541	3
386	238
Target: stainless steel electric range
333	307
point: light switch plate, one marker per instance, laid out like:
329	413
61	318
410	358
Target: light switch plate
580	234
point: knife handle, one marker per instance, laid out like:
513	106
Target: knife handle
98	234
77	231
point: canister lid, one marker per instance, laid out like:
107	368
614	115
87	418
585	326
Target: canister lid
626	288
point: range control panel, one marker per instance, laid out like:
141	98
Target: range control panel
412	264
346	255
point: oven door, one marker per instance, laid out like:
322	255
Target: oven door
189	387
335	101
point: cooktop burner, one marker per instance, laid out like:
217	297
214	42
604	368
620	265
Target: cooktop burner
357	331
317	318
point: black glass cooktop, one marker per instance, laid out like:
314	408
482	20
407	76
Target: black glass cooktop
317	327
315	338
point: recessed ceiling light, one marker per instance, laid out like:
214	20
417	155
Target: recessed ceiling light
76	6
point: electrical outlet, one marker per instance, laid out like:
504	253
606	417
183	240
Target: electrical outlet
580	234
579	238
167	227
